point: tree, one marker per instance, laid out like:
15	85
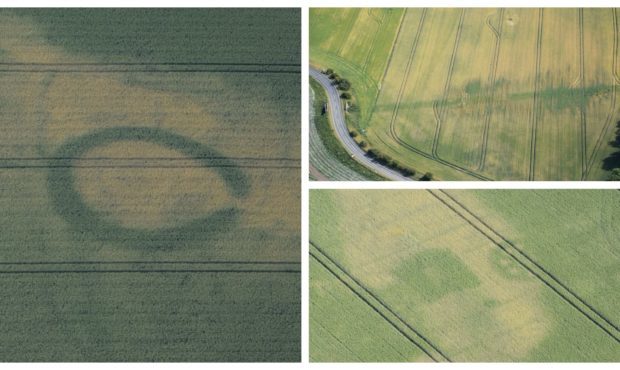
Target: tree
427	177
353	133
407	172
614	175
344	84
329	71
345	95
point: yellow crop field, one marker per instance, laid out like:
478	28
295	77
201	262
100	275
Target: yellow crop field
481	94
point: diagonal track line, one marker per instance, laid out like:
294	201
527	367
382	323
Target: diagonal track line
614	87
440	116
535	102
379	305
582	110
492	79
534	268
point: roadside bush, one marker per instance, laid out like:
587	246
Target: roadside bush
329	71
344	84
427	177
386	160
345	95
353	133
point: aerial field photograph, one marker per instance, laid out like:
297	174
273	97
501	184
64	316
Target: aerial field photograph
464	275
464	94
150	185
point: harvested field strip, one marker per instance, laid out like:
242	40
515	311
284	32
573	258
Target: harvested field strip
535	103
492	78
537	270
377	304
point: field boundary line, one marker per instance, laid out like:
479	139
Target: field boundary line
604	132
19	167
535	102
403	84
148	67
488	23
149	71
446	87
150	64
582	104
369	304
149	262
387	64
146	158
145	162
615	60
492	78
530	265
14	272
380	303
374	39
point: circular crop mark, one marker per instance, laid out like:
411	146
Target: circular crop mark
69	203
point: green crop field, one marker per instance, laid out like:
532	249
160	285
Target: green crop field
464	275
480	93
149	185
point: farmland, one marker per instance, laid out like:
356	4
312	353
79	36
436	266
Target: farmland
149	185
464	275
480	94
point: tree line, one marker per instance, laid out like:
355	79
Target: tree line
344	86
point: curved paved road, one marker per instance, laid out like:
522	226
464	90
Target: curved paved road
336	113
